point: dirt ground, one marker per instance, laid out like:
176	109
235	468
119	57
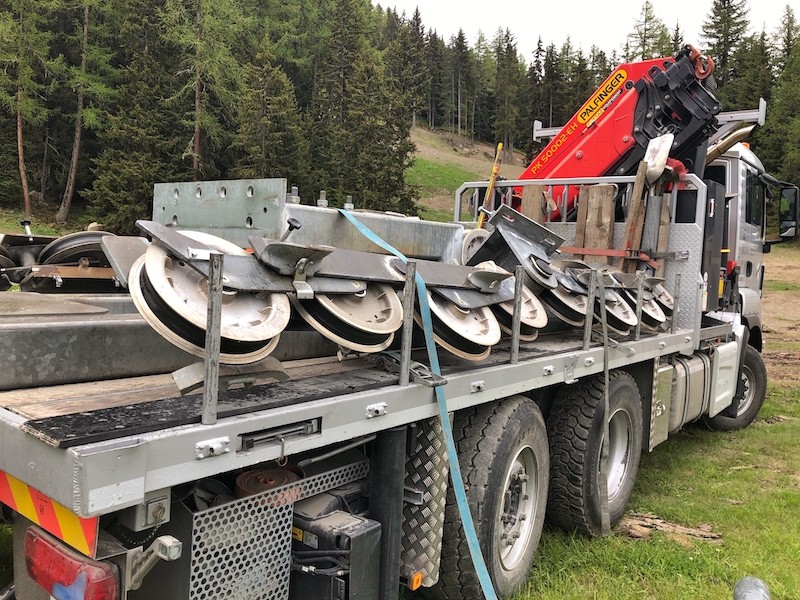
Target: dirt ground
782	315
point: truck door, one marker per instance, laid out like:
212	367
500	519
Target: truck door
752	214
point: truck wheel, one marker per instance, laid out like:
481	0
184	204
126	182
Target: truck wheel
505	463
754	373
575	428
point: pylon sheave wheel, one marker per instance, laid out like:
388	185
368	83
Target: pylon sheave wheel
569	307
74	246
468	333
173	298
652	314
665	300
376	310
533	314
473	240
363	322
619	314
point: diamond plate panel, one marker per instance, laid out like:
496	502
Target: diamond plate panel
427	470
242	550
683	237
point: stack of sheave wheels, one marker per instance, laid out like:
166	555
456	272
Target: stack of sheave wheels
173	298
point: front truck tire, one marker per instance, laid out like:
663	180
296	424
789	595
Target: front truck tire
504	459
575	427
754	374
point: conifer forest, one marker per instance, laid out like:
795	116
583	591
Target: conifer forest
100	99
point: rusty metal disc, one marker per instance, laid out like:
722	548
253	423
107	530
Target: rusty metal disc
255	481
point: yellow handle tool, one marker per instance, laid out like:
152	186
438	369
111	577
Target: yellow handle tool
487	200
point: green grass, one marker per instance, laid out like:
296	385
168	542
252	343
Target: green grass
744	484
780	286
42	222
6	571
436	178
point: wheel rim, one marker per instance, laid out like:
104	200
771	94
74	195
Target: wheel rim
518	510
749	391
619	452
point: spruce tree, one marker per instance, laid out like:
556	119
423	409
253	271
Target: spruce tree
752	75
724	30
141	138
26	73
788	34
650	37
89	78
271	140
507	84
203	31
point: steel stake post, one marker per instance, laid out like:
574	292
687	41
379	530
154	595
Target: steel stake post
408	323
213	339
516	320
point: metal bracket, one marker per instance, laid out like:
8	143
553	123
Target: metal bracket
304	291
213	447
681	255
598	337
419	373
376	410
570	362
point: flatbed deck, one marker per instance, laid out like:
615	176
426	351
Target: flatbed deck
99	447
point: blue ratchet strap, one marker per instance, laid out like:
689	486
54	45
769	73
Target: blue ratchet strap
444	417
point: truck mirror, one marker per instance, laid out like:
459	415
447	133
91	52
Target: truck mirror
787	212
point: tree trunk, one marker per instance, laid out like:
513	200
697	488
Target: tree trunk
23	172
197	99
69	189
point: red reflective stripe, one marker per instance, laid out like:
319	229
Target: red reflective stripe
45	513
6	497
89	527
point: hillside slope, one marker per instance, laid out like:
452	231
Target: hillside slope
443	161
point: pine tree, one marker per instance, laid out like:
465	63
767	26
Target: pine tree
751	74
203	31
650	37
26	68
88	79
724	30
788	34
272	139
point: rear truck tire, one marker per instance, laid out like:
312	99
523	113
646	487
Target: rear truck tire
504	459
754	375
575	428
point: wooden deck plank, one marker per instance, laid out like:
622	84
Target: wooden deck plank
44	402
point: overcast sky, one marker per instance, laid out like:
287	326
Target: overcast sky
600	23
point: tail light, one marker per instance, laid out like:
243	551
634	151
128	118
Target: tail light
64	573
